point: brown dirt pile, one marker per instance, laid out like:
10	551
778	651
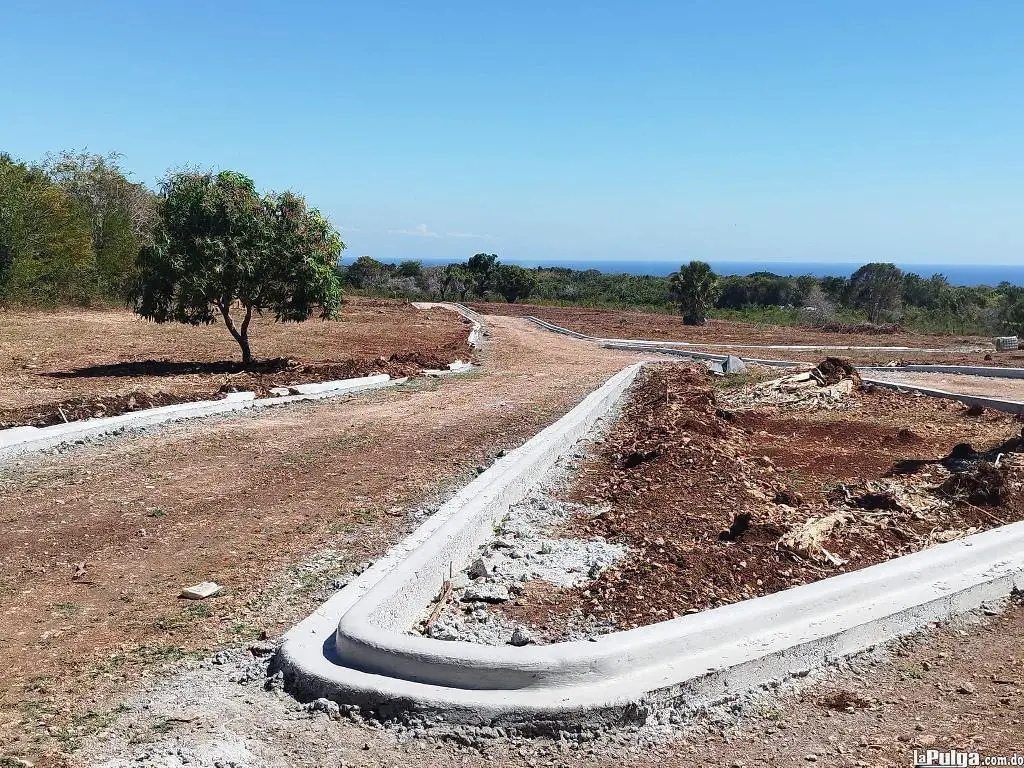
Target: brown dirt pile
709	518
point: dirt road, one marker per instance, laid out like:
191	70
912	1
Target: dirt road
984	386
243	501
276	505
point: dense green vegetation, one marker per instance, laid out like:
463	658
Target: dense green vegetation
74	229
876	297
219	247
71	227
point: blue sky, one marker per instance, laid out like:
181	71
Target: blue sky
826	130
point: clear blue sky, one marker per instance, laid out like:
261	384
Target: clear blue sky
845	130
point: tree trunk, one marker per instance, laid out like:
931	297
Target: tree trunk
241	335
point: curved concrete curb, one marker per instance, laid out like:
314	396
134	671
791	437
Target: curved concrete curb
791	347
20	440
478	329
354	649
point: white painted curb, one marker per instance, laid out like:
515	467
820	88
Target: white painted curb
354	649
18	440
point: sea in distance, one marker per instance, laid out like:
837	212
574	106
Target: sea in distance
958	274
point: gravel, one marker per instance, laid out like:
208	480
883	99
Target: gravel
525	548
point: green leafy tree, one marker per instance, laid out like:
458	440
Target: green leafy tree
409	268
513	282
365	272
695	288
482	266
455	280
1011	310
219	244
45	252
121	213
876	289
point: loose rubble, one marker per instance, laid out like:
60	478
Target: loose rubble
827	385
717	503
527	551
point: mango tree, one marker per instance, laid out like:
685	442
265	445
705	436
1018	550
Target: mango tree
221	248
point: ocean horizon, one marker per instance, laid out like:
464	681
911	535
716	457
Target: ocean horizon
958	274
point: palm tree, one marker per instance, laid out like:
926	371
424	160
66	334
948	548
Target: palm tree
695	288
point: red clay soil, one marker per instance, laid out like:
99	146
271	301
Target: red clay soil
119	363
632	324
701	496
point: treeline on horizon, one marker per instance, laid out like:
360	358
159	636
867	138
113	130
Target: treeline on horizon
72	226
878	294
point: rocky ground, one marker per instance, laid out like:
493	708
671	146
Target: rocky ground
720	490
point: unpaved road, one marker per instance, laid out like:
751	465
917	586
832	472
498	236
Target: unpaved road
984	386
276	503
237	500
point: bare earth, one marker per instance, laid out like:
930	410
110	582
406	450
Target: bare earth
632	324
1004	389
275	505
51	357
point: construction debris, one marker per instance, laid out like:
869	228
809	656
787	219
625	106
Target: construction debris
201	591
824	386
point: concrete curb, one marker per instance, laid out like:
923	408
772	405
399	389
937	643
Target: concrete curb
791	347
994	403
478	330
988	371
629	347
20	440
354	649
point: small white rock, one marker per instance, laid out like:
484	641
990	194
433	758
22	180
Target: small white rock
486	593
201	591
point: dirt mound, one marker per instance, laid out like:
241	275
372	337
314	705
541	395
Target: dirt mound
832	370
984	485
713	511
828	385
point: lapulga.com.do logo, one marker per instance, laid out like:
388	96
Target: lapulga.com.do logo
953	757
